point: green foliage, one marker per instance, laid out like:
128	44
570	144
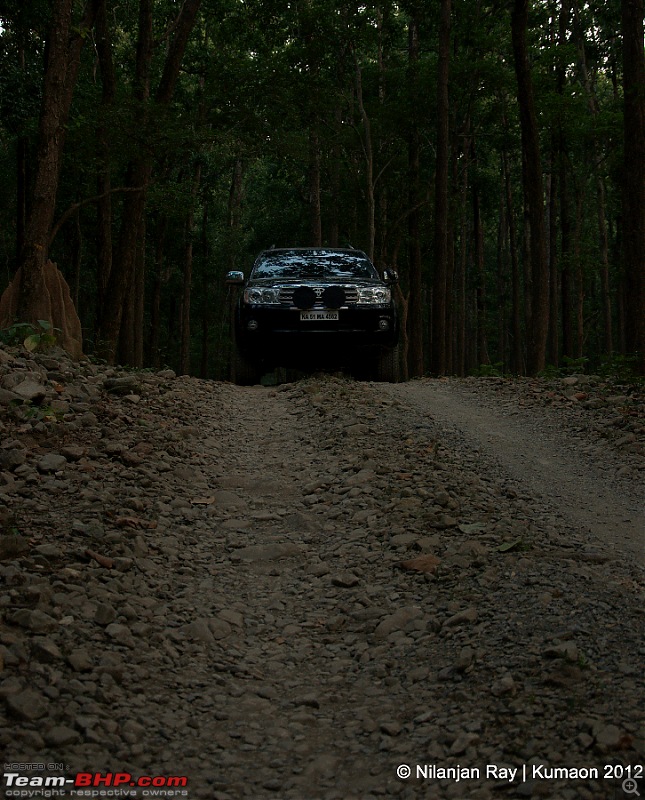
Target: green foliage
40	413
495	370
574	366
551	372
41	339
16	333
33	338
615	367
515	546
623	368
570	366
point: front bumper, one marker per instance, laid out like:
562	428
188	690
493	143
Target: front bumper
262	329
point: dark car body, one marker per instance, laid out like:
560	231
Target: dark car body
308	307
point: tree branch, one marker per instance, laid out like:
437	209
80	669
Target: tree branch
73	209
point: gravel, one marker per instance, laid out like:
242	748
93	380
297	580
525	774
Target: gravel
294	591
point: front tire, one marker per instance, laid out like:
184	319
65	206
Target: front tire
245	371
388	365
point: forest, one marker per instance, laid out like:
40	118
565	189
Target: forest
491	151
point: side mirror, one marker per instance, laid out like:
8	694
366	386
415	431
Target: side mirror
390	276
234	278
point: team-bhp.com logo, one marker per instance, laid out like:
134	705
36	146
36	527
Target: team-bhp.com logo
125	779
94	784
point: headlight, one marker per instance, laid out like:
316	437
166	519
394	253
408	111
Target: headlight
262	296
374	295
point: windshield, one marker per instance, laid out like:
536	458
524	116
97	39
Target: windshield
299	264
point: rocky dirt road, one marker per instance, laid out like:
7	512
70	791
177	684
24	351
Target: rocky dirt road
327	589
585	468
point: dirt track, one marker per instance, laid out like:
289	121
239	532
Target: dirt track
313	588
535	447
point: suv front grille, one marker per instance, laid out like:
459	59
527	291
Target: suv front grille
286	294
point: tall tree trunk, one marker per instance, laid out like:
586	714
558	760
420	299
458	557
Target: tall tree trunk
77	260
605	286
502	283
159	279
206	304
235	197
122	276
335	183
460	278
131	332
184	360
579	275
139	299
415	308
22	146
553	341
404	304
104	184
478	238
382	246
114	330
621	322
415	316
565	251
315	208
634	176
597	158
517	360
460	292
21	194
565	261
554	283
62	61
439	292
125	344
369	163
187	281
533	185
450	264
517	349
563	199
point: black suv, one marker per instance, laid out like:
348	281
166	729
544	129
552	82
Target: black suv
310	307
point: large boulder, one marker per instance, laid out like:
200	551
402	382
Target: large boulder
57	307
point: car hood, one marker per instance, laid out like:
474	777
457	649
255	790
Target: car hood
314	282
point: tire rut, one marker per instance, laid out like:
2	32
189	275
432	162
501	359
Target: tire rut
543	458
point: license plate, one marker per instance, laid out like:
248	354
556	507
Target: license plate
317	316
